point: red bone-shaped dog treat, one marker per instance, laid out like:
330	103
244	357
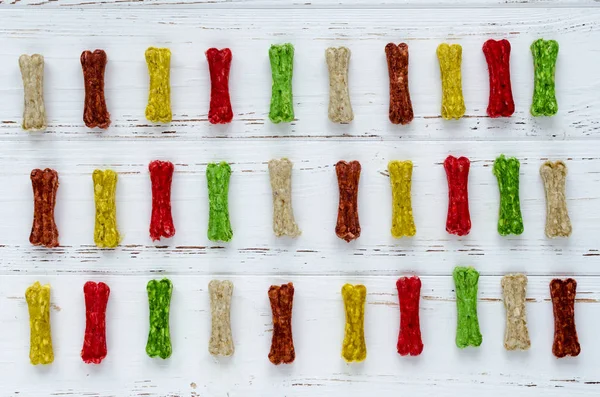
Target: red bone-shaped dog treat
563	293
95	113
457	171
161	175
348	226
409	338
219	63
497	55
94	342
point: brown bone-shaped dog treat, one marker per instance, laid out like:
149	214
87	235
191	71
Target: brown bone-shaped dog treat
348	226
563	293
282	343
95	113
554	176
401	111
45	185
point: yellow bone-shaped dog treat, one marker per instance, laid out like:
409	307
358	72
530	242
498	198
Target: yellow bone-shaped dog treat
403	223
453	102
159	94
354	347
38	301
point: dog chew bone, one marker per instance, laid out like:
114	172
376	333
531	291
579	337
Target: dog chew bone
545	53
219	64
348	175
409	337
32	73
280	173
458	220
403	223
159	93
467	330
221	341
554	176
453	102
563	293
40	345
161	222
401	111
510	220
354	348
45	185
94	342
219	227
340	108
282	67
497	55
514	288
282	343
106	233
159	300
95	113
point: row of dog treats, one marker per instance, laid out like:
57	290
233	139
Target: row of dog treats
106	234
158	110
354	347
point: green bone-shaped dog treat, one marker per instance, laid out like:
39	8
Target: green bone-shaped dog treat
159	300
510	220
282	67
544	53
219	227
467	329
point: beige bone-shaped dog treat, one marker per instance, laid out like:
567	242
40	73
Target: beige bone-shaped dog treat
340	109
280	173
554	176
32	72
221	341
516	336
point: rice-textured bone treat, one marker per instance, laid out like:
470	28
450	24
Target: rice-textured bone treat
221	341
106	233
467	329
458	220
282	343
219	64
403	223
554	176
340	108
219	226
281	57
158	109
44	231
401	110
161	222
94	342
514	289
280	174
453	102
159	300
40	345
497	55
32	73
409	337
354	347
95	113
545	53
563	294
348	225
510	220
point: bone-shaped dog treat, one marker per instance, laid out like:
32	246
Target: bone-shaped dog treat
32	72
516	336
282	344
348	226
40	345
563	293
219	64
95	113
94	342
280	173
221	341
457	172
401	111
497	55
403	223
453	102
106	233
510	220
219	227
545	53
409	294
45	185
161	223
282	67
159	300
159	94
354	348
467	329
554	175
340	109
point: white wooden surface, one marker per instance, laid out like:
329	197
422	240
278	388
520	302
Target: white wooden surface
318	262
